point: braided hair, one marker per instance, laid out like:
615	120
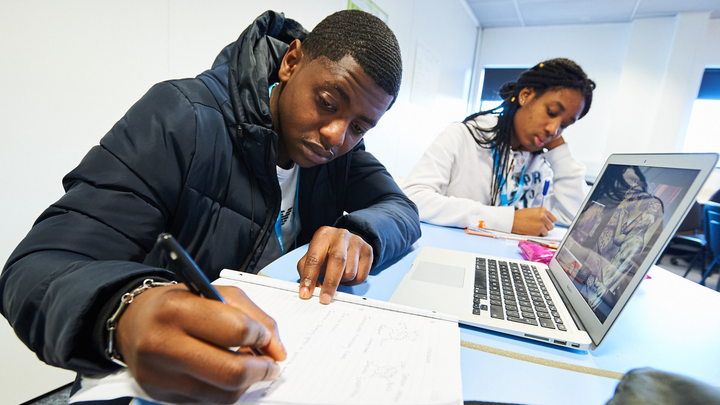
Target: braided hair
366	38
553	74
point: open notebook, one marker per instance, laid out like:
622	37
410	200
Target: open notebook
354	351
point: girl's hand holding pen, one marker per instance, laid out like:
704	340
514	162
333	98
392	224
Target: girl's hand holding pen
533	221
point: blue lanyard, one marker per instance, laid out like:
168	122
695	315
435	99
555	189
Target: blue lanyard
518	193
278	222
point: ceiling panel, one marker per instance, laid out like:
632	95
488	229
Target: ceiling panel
502	13
657	8
495	13
573	12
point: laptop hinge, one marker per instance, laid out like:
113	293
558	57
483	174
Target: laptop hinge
573	314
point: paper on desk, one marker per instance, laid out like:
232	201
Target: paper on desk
353	351
555	235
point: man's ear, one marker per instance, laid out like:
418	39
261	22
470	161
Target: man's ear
291	61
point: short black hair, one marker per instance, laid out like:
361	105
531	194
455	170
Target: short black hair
364	37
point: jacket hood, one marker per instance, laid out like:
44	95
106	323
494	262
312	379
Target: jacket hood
243	71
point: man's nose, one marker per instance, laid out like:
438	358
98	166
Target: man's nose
333	133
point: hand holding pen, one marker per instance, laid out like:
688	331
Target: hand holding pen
536	221
175	344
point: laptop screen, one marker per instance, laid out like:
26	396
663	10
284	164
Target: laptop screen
617	227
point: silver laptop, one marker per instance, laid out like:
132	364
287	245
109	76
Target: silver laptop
632	211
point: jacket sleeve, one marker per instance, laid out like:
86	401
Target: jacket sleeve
428	182
377	209
63	280
568	186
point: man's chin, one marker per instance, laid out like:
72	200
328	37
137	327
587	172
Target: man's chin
306	163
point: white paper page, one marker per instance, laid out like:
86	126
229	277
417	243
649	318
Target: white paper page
342	353
555	235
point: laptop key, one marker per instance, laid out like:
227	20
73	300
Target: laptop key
513	314
496	311
526	308
523	320
496	302
562	327
546	323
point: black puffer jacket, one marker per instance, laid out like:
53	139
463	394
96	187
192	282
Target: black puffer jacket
195	158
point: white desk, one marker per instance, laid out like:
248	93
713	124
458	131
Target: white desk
670	324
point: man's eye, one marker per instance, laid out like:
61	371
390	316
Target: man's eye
551	114
325	104
358	129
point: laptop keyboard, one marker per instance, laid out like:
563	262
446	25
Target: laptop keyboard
516	293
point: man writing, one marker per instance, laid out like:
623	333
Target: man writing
255	156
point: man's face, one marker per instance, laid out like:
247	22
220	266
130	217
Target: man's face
323	108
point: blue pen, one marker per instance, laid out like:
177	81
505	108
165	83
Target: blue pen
545	190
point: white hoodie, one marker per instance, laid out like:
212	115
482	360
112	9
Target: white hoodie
451	183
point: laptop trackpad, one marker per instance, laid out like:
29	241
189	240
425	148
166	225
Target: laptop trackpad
451	276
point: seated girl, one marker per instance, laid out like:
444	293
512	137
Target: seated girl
490	169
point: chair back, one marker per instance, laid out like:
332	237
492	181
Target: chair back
693	222
715	197
711	214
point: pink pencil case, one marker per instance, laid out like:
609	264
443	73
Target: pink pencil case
535	253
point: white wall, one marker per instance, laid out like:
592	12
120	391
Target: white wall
438	47
69	70
648	73
710	57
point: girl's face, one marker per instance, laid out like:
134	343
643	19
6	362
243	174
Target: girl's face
541	119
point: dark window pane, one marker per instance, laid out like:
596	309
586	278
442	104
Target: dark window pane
495	78
709	87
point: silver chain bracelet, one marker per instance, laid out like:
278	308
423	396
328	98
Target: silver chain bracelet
112	323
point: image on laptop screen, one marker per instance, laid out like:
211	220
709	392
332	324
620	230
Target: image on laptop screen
617	228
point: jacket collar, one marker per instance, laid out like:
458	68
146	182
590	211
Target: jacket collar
245	69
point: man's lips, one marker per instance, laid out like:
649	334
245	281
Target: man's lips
539	142
318	154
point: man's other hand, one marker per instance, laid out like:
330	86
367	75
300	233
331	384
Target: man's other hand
175	344
342	257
